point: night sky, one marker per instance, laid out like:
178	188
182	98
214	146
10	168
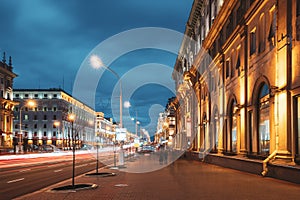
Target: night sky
50	40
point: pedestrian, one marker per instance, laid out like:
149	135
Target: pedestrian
161	154
25	144
166	154
15	143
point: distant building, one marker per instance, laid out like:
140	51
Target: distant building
7	104
105	129
237	78
47	122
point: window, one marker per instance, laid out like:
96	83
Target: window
45	108
233	126
54	117
252	42
272	30
26	96
36	96
238	63
16	126
298	127
45	96
35	125
26	117
17	96
45	125
262	31
232	69
45	117
227	68
35	117
26	126
298	20
264	120
45	133
54	109
55	96
54	134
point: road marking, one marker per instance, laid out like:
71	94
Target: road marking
121	185
81	165
24	170
16	180
59	170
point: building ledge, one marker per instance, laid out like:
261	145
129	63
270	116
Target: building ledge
279	168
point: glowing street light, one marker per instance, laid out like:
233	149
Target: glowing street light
97	63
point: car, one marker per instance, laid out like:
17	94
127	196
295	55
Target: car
146	149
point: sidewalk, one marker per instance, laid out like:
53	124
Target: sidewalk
181	180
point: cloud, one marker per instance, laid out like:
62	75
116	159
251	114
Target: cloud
48	40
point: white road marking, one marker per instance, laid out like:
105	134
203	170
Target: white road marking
59	170
81	165
16	180
121	185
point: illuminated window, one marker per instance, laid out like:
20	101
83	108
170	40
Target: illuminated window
215	130
298	132
233	126
264	120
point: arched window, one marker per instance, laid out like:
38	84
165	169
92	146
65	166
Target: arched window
215	130
264	120
233	127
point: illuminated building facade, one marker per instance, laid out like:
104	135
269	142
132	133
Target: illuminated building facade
105	129
237	78
47	121
7	104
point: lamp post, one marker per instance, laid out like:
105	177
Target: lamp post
97	166
97	63
71	118
30	104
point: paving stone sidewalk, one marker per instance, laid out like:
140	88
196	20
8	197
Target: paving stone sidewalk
184	179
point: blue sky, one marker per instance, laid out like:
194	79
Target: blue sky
49	40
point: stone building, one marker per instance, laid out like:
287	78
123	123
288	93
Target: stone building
7	104
47	120
237	78
105	129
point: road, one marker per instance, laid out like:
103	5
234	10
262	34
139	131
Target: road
22	176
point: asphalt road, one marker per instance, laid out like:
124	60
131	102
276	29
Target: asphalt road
19	177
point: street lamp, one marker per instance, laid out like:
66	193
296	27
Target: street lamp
97	63
71	119
31	104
